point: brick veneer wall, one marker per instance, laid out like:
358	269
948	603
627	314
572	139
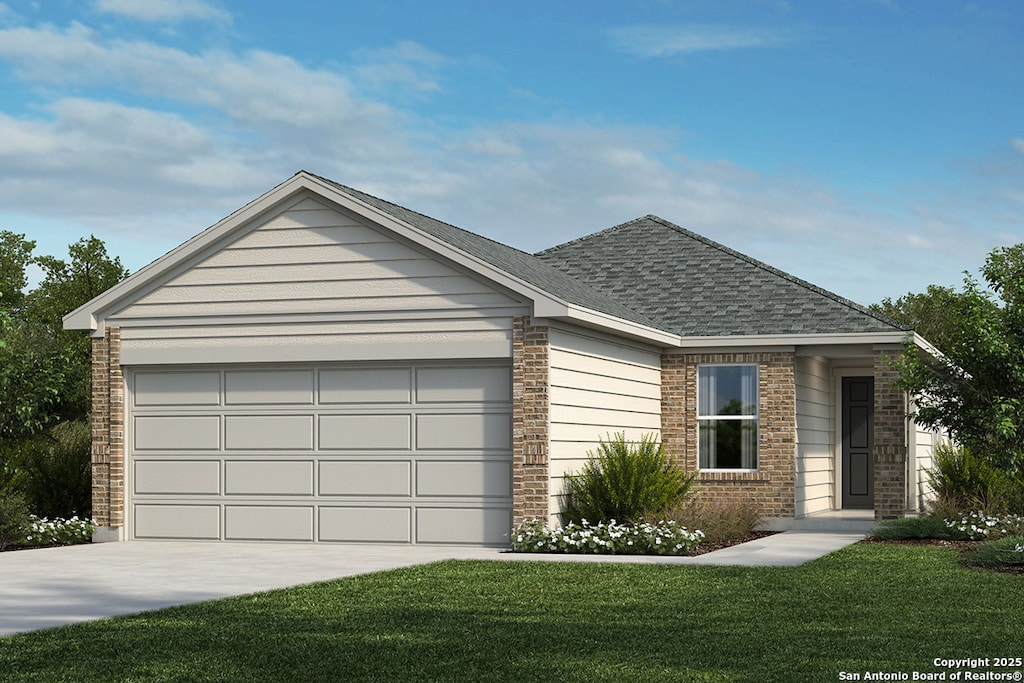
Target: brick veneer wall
107	430
530	420
890	447
773	486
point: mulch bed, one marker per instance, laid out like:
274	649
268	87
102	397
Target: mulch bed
705	547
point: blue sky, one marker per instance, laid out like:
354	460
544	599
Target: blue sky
872	147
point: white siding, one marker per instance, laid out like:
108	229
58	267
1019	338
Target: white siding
311	283
815	435
921	451
598	387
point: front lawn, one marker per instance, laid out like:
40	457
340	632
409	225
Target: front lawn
869	607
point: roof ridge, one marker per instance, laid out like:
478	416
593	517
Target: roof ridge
849	303
599	233
358	192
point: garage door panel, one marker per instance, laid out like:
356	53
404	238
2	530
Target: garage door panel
243	477
177	477
268	523
487	526
365	432
177	521
340	452
177	388
268	387
366	385
366	478
176	433
463	385
268	432
487	431
453	478
367	524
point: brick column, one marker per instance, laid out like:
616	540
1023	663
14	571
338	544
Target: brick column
108	431
890	446
529	421
773	486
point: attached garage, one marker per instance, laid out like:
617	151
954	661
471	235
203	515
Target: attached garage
391	453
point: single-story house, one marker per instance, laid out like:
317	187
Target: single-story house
323	365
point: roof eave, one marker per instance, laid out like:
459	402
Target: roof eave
843	338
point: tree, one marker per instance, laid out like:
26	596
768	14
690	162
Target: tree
66	285
15	256
928	314
44	369
976	388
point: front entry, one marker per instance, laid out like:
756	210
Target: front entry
858	439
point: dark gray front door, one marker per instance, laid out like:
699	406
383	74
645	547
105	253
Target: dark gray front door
858	437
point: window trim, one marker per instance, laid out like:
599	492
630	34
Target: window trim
756	417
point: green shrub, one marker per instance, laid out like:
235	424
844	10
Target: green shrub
719	520
965	481
14	519
915	527
625	481
1002	552
58	471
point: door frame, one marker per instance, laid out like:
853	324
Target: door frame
837	436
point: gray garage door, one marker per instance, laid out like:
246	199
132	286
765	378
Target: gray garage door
386	453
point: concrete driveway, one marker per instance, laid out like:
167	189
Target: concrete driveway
56	586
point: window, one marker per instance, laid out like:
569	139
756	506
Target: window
727	417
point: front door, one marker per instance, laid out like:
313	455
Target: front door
858	438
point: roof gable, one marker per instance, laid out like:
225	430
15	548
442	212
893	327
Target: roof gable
695	287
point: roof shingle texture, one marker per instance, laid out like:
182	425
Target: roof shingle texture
652	272
696	287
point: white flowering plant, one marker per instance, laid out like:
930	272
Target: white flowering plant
42	531
611	538
978	526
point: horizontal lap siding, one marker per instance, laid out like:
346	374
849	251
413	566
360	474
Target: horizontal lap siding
598	387
315	284
815	474
924	441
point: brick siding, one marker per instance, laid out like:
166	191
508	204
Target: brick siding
772	487
530	413
890	447
108	430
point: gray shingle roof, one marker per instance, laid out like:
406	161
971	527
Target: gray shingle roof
655	273
518	263
696	287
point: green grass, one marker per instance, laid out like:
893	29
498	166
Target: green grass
868	607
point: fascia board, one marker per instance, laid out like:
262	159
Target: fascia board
895	337
85	316
626	328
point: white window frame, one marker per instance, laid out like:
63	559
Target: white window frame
756	417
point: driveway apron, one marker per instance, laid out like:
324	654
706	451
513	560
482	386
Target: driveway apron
57	586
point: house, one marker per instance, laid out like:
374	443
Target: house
323	365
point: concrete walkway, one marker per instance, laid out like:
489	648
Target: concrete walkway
56	586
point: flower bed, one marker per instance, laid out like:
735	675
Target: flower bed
42	531
663	538
978	526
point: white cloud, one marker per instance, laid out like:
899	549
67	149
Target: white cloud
163	10
669	41
1018	145
407	64
236	124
